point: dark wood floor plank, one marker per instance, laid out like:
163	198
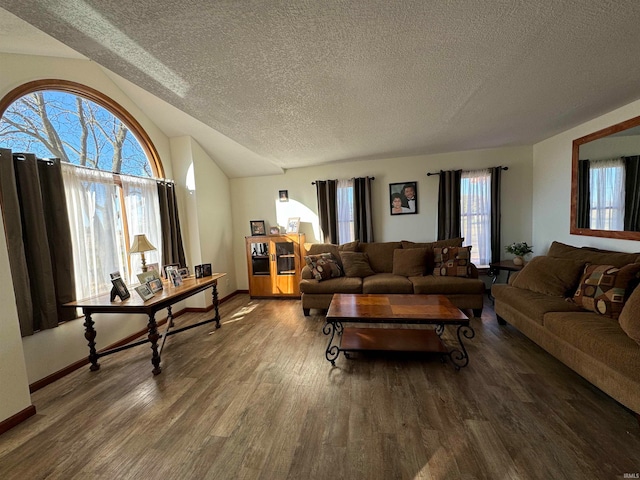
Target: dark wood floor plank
257	399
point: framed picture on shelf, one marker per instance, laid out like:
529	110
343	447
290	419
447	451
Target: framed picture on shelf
184	272
144	291
403	198
257	227
293	225
274	231
155	285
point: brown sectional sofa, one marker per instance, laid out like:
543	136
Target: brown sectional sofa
464	292
604	350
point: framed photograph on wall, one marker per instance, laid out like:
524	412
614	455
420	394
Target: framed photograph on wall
293	225
257	227
283	195
403	198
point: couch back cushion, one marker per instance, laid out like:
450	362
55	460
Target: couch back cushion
557	277
380	255
604	289
410	262
429	261
356	264
591	255
629	318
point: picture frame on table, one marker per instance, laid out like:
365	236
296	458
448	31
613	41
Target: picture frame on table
155	285
206	270
119	288
166	267
257	227
293	225
403	198
144	291
174	277
147	276
154	267
184	272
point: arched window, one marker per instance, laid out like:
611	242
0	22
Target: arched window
109	167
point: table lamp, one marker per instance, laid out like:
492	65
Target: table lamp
140	245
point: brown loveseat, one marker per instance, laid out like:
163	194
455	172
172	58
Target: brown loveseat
540	301
391	267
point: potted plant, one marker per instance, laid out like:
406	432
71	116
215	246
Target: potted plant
519	249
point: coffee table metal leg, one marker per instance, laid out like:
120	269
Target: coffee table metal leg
332	328
460	357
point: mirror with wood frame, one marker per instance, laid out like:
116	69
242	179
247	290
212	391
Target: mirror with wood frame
605	182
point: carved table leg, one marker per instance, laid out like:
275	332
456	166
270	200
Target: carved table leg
214	294
169	316
90	335
153	338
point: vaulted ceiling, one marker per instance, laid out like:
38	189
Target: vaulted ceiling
297	83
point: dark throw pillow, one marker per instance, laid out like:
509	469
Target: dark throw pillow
323	266
452	261
604	288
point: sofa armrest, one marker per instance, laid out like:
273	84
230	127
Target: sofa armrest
512	277
473	271
306	273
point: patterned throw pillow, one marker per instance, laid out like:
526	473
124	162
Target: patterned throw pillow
452	261
323	266
604	288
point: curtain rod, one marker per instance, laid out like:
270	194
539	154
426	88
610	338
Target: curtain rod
438	173
313	183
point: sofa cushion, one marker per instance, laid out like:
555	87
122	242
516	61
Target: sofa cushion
599	337
535	304
452	261
386	283
323	266
557	277
380	255
333	285
629	318
452	242
409	262
591	255
604	289
431	284
349	247
356	264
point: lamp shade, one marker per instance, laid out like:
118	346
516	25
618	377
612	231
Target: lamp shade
141	244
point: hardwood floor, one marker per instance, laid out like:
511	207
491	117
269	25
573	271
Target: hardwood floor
257	399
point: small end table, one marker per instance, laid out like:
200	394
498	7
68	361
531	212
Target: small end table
496	267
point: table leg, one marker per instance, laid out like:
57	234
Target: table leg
460	357
90	335
332	352
493	274
214	293
153	336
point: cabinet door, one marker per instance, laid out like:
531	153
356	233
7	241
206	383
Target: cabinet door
285	265
259	267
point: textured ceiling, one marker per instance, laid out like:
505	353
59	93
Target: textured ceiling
300	83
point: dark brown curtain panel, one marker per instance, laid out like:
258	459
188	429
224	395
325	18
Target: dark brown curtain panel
172	246
449	204
326	191
362	215
584	195
632	194
38	239
496	214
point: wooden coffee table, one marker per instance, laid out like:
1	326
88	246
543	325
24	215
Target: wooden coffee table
434	310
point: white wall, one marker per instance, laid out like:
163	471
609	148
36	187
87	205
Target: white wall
256	198
552	186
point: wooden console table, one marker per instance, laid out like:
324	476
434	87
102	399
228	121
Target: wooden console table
134	304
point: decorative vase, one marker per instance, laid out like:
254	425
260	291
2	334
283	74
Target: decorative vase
518	260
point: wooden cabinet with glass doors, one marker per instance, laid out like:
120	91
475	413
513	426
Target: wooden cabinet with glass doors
274	264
